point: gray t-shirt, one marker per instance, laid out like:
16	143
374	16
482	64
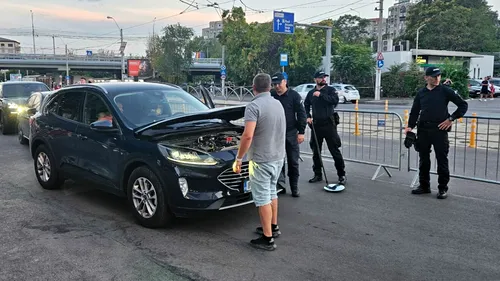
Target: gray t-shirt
268	142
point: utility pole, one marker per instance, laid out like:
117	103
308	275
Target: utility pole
123	54
378	79
223	81
416	50
67	67
33	32
54	44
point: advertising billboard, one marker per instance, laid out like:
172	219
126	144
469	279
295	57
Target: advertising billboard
138	67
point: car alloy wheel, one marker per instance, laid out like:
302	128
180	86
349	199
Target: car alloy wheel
144	197
43	167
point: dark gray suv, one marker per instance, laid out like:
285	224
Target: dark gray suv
13	98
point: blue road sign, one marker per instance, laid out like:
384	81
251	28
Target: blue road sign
223	72
284	60
283	22
67	77
223	77
222	67
380	63
381	123
89	53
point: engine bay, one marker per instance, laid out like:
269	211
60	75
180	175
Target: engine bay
222	141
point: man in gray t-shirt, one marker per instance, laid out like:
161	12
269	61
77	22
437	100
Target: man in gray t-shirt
264	139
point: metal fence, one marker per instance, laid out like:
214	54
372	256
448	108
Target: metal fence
368	137
474	151
235	93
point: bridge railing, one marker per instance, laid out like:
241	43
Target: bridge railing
235	93
89	58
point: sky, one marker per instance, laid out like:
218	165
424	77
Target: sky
83	24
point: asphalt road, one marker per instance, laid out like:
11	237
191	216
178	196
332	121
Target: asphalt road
375	230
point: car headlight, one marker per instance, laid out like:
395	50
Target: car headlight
187	156
21	109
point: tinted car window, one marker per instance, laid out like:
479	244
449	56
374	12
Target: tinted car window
19	90
350	88
67	105
95	109
145	107
309	87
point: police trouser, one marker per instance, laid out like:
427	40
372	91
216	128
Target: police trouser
428	137
292	159
327	131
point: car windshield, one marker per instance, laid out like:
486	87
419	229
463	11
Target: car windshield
474	83
145	107
350	88
20	90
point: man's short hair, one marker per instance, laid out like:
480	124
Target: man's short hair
262	82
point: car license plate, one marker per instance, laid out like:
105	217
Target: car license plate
246	187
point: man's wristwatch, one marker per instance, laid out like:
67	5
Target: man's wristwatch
239	160
451	119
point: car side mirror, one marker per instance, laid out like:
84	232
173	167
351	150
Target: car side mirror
103	126
31	111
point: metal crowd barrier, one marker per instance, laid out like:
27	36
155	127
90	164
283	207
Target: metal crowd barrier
474	151
239	94
368	137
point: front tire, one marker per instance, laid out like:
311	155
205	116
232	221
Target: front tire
147	199
46	170
5	126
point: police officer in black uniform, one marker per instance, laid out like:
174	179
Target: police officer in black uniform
430	108
323	99
295	128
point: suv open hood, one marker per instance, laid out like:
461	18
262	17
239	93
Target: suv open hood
226	113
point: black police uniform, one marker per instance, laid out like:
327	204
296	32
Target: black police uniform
325	128
295	124
430	108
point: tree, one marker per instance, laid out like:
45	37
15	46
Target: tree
457	73
170	54
352	29
353	64
455	25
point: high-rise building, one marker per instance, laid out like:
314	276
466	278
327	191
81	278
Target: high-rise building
214	29
372	28
396	21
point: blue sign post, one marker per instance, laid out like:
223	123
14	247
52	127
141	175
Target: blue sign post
283	59
283	22
223	72
89	53
380	63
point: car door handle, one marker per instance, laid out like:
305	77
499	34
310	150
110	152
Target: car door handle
82	137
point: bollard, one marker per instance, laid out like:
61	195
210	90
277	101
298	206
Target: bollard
406	118
386	107
472	140
356	123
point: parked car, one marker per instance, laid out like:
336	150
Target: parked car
164	150
347	92
13	97
303	89
34	104
475	87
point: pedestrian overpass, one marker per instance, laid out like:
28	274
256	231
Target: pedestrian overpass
199	66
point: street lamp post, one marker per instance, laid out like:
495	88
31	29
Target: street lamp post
416	49
122	48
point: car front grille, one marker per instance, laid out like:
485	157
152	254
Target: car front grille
232	180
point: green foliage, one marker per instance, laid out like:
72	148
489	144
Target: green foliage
457	73
353	64
351	29
170	54
211	47
455	25
402	81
